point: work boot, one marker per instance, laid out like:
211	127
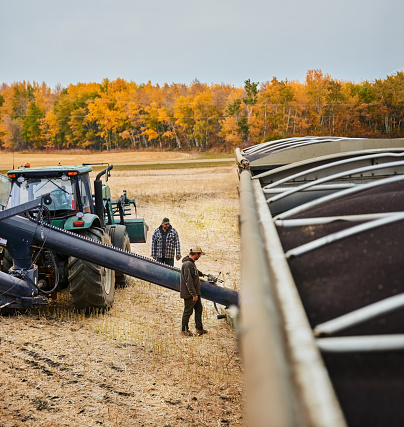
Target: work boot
187	333
201	332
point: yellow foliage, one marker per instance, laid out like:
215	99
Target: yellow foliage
230	131
168	135
200	115
150	133
163	115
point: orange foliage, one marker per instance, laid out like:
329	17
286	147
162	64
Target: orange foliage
121	114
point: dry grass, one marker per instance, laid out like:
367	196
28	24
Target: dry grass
77	157
131	366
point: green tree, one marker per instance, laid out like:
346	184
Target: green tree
32	126
251	90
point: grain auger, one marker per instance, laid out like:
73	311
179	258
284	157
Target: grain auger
61	237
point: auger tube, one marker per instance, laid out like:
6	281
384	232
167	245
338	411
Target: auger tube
133	265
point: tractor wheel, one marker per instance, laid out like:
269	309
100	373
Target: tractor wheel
120	239
7	261
91	286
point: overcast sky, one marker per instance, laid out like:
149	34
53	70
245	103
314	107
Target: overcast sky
214	41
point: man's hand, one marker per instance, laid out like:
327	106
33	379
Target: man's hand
195	298
178	258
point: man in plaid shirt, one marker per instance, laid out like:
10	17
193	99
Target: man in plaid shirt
166	243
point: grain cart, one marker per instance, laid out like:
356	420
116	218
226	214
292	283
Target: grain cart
322	268
55	236
68	204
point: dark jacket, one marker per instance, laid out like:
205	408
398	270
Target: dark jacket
190	284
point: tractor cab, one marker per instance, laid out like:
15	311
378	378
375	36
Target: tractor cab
67	202
68	187
69	198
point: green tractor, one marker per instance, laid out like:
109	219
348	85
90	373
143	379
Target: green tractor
70	204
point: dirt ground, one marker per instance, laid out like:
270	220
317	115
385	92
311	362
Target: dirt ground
130	366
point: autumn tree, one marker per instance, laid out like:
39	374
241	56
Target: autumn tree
317	87
234	124
205	116
107	112
275	101
121	114
184	118
13	113
390	96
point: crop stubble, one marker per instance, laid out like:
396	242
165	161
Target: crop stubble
131	366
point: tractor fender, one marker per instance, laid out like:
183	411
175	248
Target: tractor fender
75	223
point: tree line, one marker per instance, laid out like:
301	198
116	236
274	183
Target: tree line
120	114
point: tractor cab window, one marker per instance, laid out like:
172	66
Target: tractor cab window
61	191
85	192
5	188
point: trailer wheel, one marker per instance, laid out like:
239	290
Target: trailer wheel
121	279
91	286
120	239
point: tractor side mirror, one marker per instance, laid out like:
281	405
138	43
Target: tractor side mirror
47	199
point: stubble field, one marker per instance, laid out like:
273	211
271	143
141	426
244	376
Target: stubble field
130	366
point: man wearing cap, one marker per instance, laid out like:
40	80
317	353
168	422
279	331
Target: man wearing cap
190	291
165	243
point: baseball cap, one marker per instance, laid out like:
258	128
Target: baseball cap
166	221
196	249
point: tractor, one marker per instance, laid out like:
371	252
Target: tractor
68	203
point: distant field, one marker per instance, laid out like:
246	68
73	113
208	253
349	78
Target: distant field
118	158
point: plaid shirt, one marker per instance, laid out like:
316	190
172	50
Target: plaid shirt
172	243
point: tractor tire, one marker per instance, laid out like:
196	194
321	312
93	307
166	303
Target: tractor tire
7	261
91	286
120	239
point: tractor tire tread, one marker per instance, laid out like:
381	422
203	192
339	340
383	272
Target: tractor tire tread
91	286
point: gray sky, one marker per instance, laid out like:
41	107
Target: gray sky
215	41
